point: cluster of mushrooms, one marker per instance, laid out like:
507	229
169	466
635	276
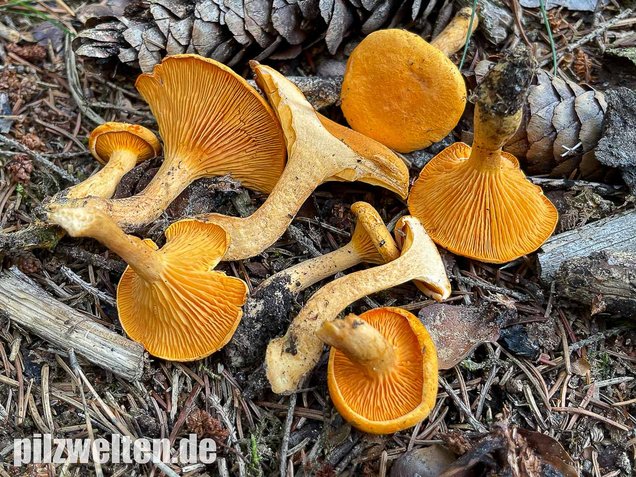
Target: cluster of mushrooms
475	202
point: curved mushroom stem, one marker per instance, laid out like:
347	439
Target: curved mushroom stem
318	151
361	343
251	235
267	310
169	181
453	37
498	111
104	182
290	357
84	222
305	274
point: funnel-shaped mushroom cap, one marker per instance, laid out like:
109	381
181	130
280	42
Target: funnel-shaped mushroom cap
401	91
170	299
490	215
214	120
192	311
385	160
371	239
365	159
433	281
380	385
111	137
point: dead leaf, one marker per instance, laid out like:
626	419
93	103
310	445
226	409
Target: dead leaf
457	330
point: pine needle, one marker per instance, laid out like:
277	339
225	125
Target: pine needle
544	12
468	34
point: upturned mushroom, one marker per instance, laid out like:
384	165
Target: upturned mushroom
170	299
291	357
403	91
382	371
118	147
319	150
477	202
212	123
267	308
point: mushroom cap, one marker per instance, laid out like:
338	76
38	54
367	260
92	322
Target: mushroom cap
492	215
391	402
212	118
365	146
361	158
371	238
114	136
434	281
193	310
402	91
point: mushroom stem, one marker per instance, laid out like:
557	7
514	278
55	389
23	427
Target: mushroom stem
290	357
305	274
319	150
169	181
251	235
499	108
104	182
361	343
453	37
86	222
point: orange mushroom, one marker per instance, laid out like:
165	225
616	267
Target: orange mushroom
119	147
212	123
382	370
477	202
267	308
170	299
292	356
320	150
403	91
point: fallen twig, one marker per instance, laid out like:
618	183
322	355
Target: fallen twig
32	308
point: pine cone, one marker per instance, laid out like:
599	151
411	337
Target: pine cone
562	125
227	30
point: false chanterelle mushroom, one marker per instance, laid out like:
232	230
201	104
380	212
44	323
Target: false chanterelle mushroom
403	91
268	306
477	202
382	370
319	150
291	357
169	299
119	147
212	123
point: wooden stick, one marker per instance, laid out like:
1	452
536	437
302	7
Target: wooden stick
612	233
603	282
27	305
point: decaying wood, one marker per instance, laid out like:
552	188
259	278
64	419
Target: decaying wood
30	307
604	282
614	233
617	148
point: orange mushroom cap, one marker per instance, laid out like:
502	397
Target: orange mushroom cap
402	91
171	300
491	216
113	136
477	202
192	311
214	118
389	390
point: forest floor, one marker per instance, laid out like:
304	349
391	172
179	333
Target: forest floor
556	368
